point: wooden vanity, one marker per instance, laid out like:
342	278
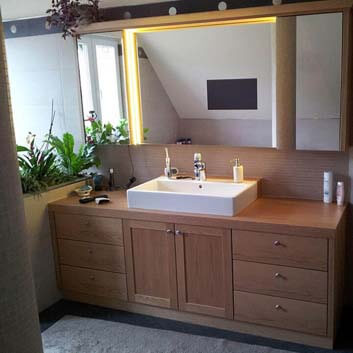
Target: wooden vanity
275	270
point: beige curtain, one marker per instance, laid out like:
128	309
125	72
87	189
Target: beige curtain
19	325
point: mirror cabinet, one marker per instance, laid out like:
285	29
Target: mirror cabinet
274	80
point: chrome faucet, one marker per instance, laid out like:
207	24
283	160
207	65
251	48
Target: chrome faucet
199	167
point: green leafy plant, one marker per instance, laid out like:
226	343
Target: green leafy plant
102	134
70	163
123	131
38	169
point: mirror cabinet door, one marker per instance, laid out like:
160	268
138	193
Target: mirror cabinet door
319	81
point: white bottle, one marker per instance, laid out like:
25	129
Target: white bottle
328	187
340	193
238	171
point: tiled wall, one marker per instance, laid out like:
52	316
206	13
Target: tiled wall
42	69
295	174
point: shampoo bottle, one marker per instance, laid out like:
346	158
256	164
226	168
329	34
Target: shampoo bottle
328	187
238	171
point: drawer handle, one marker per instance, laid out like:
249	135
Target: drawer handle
277	275
277	243
169	231
178	232
278	307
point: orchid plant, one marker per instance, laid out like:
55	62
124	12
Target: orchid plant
38	167
54	162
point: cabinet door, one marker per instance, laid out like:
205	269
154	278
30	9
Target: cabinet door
150	263
204	267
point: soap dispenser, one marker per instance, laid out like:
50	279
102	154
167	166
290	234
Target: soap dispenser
238	171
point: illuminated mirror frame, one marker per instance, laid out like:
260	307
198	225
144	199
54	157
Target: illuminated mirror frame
131	65
130	27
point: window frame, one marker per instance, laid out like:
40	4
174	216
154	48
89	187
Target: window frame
92	41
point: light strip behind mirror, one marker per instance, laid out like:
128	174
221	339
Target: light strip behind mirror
132	66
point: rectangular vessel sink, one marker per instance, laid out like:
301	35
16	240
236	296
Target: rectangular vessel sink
214	196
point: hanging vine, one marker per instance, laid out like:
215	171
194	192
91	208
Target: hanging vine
70	14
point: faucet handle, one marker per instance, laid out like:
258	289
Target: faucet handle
197	157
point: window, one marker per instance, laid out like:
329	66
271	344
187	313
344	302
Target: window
100	78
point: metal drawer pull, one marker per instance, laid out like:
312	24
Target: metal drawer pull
278	307
277	243
178	232
169	231
277	275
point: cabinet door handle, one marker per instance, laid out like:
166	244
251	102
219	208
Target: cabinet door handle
178	232
277	275
277	243
169	231
278	307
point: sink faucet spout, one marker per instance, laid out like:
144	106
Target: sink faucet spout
199	167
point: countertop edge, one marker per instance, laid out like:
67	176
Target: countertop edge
236	222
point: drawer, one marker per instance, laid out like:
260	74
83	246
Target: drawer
288	250
281	281
93	282
283	313
92	229
96	256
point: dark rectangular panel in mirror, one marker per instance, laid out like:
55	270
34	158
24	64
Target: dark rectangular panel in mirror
231	94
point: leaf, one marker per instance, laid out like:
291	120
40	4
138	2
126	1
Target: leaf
22	148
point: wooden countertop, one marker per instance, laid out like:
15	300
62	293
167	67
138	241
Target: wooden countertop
288	216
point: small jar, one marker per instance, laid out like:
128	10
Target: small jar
340	193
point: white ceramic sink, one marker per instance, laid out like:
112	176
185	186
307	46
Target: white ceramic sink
214	196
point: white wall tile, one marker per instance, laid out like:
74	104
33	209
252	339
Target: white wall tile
42	68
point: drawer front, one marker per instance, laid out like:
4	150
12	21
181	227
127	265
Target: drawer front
95	256
91	229
93	282
283	313
287	250
281	281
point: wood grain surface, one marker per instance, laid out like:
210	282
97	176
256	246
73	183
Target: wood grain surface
295	217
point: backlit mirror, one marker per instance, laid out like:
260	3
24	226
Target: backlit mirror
210	85
216	85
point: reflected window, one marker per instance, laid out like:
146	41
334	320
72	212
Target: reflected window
100	78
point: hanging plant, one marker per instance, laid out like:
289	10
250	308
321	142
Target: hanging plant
69	14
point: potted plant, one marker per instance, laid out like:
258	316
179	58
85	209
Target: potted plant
70	14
